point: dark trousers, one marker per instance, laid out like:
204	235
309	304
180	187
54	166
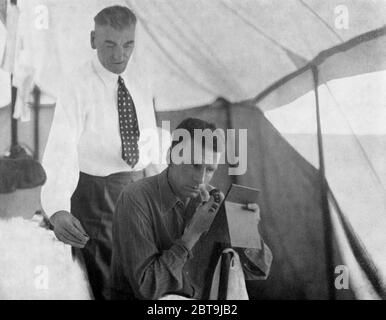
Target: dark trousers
93	203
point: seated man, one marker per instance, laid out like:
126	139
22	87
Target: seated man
159	220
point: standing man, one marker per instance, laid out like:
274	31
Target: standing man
94	146
159	220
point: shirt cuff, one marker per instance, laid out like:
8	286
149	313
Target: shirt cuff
51	208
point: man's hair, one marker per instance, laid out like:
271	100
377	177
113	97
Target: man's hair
117	17
190	124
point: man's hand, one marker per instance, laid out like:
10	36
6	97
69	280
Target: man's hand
204	194
200	222
68	229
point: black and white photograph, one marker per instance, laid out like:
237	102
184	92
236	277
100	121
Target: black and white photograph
197	151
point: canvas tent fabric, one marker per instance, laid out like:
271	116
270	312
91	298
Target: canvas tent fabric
263	51
352	112
251	45
360	55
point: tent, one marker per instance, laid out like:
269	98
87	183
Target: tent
303	76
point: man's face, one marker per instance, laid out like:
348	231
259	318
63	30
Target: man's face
114	47
190	178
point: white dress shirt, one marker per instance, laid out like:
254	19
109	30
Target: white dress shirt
85	134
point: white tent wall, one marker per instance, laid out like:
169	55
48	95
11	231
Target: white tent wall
352	116
247	49
352	120
354	157
251	44
358	280
350	160
362	54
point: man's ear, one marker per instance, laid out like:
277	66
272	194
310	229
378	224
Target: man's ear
92	40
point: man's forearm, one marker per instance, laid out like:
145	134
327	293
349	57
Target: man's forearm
189	241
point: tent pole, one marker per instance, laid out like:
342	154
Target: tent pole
36	105
14	122
14	133
328	231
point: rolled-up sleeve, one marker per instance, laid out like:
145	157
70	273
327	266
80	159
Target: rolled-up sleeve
151	273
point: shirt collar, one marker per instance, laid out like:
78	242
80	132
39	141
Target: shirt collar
168	198
110	79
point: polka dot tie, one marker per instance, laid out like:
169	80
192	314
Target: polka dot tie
128	125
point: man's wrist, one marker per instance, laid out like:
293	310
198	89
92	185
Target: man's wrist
189	241
185	247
